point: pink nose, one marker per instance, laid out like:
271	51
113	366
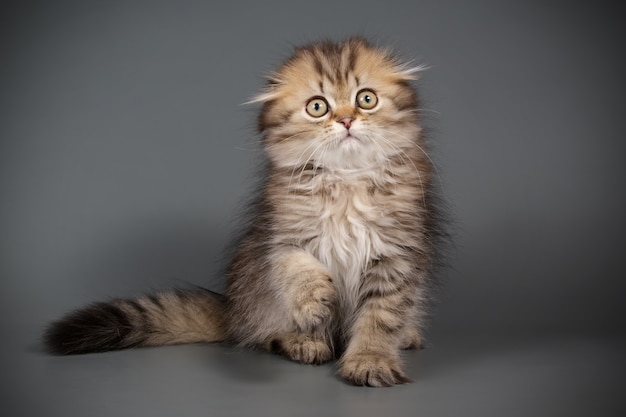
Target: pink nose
346	121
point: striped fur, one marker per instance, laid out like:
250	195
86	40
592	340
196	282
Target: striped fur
179	316
337	258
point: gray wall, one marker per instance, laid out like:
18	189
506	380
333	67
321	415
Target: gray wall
124	147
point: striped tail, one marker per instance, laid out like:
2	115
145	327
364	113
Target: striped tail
166	318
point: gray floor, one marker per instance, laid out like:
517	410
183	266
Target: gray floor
470	375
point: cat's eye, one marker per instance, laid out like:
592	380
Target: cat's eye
366	99
317	107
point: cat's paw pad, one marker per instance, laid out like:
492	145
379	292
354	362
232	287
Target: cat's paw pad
315	304
372	369
306	349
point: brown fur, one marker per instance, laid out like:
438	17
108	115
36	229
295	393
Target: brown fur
337	257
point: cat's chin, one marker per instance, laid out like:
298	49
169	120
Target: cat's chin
350	143
352	154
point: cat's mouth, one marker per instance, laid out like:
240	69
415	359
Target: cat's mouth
349	137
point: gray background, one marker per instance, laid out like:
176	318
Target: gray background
125	150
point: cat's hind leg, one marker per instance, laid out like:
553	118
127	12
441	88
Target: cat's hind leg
411	338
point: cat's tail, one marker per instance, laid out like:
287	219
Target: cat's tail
166	318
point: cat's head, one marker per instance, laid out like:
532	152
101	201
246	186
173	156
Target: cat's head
342	105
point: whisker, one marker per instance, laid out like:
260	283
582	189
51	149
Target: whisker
266	145
432	163
271	145
421	110
297	163
386	161
307	161
402	154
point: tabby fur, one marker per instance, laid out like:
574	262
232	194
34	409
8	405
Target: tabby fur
336	261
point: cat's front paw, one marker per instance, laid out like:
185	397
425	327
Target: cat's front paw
372	369
303	348
315	304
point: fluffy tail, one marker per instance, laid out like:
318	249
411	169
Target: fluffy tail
179	316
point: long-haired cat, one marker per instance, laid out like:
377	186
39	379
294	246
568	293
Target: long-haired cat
337	257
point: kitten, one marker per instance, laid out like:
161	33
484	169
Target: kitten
336	261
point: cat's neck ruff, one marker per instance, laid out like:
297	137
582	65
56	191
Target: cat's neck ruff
353	171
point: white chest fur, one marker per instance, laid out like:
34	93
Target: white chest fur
348	232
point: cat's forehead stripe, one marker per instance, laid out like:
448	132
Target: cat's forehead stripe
333	62
330	69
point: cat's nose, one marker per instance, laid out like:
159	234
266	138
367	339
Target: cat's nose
346	121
